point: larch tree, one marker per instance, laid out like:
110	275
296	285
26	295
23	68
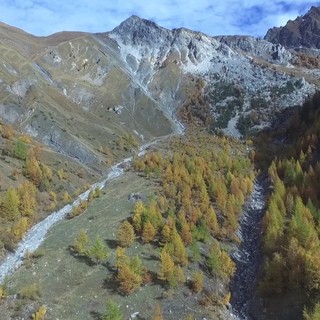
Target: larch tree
157	313
20	150
98	251
10	204
312	314
81	243
27	195
153	214
7	131
166	234
197	282
148	232
219	262
129	281
46	172
40	313
179	250
33	170
125	234
121	257
112	312
66	197
167	266
212	221
20	227
186	234
138	211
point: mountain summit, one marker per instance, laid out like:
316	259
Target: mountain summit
303	31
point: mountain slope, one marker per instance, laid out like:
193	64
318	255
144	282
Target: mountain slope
241	76
95	97
75	95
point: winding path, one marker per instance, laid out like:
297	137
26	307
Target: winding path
248	255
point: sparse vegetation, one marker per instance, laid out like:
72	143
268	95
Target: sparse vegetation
31	291
40	313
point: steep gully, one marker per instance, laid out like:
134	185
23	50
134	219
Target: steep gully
247	256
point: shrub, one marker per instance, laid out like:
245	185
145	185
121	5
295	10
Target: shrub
112	312
40	314
76	211
31	291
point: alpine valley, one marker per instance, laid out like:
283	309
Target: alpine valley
149	173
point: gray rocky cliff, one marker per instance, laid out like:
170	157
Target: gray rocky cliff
242	74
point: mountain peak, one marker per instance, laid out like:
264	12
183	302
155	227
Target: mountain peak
136	30
135	22
132	19
303	31
314	9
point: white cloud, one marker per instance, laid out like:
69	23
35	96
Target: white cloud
43	17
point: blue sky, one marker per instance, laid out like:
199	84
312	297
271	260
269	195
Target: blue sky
214	17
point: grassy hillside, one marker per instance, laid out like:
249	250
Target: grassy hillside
73	93
34	182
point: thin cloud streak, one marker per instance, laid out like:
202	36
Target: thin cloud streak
44	17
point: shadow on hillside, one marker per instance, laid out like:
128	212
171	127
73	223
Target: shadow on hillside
111	243
81	258
111	284
96	315
151	257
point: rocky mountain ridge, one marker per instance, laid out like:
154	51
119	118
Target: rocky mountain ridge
304	31
238	72
95	97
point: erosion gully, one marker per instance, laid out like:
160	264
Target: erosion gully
36	235
248	255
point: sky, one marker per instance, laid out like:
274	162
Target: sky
214	17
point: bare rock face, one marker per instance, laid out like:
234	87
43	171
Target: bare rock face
239	72
259	48
303	31
136	31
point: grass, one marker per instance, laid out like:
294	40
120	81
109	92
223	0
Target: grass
70	287
74	289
